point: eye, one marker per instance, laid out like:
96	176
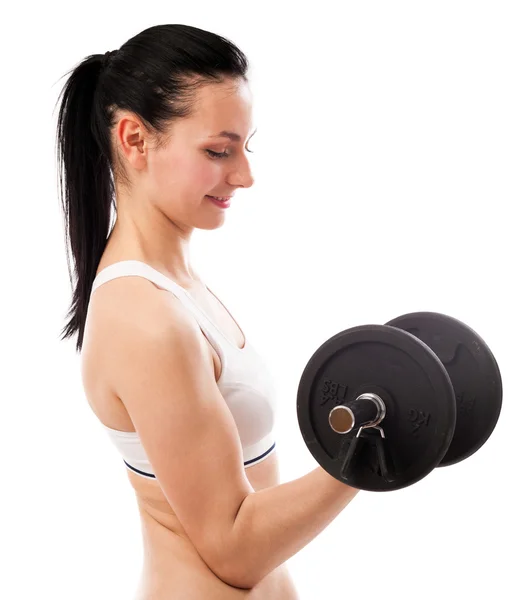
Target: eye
222	154
217	154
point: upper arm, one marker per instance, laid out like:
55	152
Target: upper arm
164	374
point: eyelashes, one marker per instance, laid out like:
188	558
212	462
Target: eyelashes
222	154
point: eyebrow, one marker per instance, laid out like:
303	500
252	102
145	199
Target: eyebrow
235	137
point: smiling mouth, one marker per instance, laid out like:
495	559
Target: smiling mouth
219	199
220	203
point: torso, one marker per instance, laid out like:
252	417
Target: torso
170	559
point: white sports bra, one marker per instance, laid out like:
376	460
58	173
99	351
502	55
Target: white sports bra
245	381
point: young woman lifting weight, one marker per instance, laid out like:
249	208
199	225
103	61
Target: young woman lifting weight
159	130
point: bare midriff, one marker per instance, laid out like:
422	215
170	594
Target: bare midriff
173	568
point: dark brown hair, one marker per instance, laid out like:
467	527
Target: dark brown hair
155	75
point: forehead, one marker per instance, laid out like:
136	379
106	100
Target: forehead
221	107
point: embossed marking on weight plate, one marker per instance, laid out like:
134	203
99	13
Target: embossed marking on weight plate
418	418
332	390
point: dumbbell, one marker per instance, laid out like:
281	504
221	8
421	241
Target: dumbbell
381	406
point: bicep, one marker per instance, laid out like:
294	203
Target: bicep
164	375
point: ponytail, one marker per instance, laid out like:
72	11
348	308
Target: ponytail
154	75
87	197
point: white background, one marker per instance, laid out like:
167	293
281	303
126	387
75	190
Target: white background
382	183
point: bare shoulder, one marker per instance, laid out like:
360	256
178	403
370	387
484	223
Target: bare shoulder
124	308
132	300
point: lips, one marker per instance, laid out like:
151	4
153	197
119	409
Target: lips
220	203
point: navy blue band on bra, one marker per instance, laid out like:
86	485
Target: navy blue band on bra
139	472
249	462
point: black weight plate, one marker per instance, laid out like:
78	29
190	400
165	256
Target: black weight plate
417	392
474	373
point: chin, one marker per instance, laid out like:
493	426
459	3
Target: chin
211	226
215	226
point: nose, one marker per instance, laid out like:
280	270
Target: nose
242	175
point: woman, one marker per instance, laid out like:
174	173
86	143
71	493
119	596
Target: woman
163	123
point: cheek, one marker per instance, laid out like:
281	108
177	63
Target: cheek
184	175
205	174
170	172
187	173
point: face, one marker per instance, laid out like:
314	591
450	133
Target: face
197	161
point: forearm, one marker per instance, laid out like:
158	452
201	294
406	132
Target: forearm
275	523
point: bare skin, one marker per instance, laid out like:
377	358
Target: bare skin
170	560
155	221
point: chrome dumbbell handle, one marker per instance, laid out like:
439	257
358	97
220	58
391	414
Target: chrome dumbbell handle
367	410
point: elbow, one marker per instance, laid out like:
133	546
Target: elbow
237	582
236	573
233	559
